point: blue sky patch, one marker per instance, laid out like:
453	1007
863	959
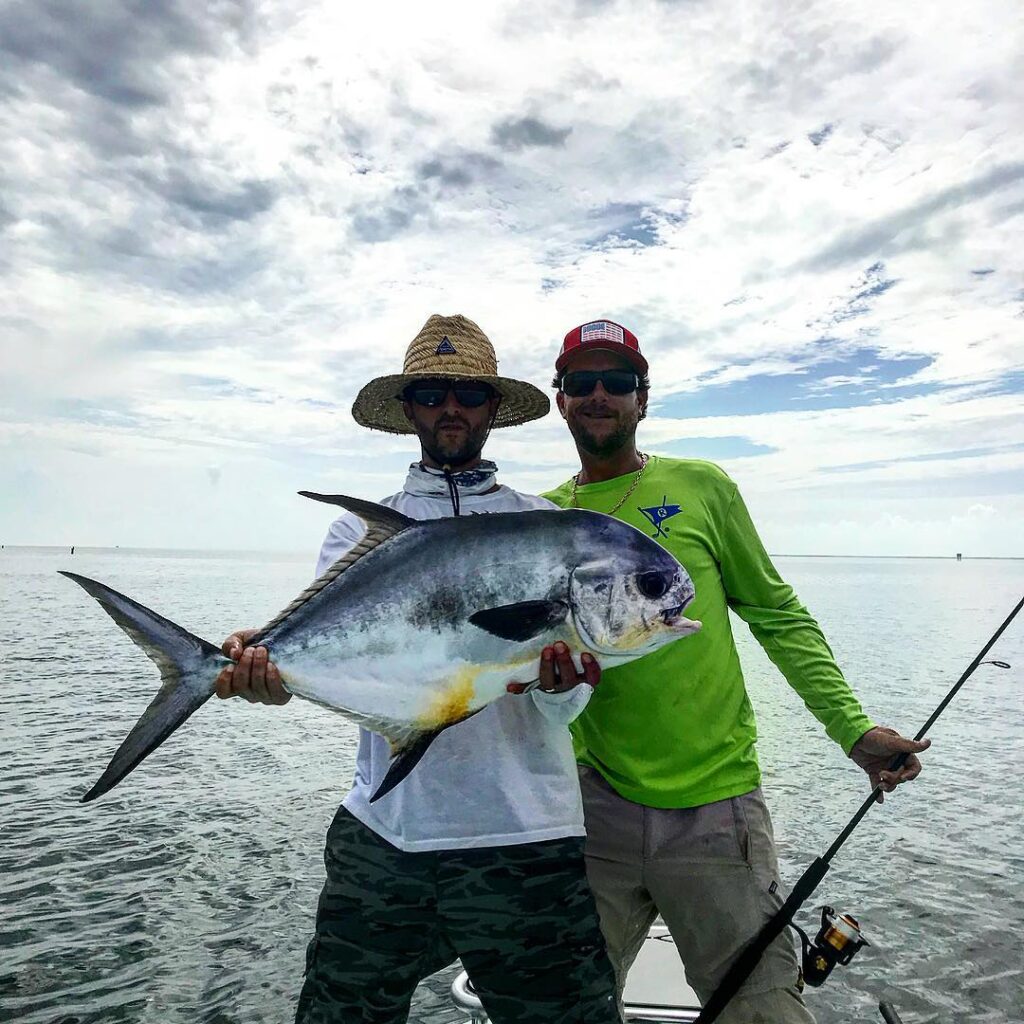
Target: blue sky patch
1009	384
874	283
861	378
625	222
963	453
818	137
714	448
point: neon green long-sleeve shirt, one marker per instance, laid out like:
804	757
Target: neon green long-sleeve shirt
676	728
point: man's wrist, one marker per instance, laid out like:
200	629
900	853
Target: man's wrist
557	696
854	732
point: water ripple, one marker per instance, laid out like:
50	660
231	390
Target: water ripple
188	893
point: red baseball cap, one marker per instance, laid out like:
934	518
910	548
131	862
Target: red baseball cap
602	334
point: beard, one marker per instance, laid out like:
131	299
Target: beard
603	445
453	451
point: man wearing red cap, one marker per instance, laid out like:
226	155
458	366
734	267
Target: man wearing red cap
676	823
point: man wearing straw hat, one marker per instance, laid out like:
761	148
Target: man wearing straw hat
479	852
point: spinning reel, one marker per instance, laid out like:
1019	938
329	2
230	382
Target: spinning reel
837	942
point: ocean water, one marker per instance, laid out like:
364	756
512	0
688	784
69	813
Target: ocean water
187	894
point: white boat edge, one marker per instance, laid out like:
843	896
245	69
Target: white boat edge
656	989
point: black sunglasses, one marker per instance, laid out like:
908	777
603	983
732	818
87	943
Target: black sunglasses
579	383
432	393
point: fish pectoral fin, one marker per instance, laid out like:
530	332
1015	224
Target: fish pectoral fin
373	515
522	621
406	757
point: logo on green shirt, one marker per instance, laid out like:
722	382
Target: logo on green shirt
657	514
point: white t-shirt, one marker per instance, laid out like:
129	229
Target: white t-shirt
505	776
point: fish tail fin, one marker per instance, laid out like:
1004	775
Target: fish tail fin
188	669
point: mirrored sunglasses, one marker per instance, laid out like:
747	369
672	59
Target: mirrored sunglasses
432	393
579	383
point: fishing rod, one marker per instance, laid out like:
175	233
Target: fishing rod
837	940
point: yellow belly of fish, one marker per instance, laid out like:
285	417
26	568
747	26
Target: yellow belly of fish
452	703
455	700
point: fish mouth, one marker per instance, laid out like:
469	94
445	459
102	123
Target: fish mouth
673	618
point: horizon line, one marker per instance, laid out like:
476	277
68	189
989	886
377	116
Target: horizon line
297	553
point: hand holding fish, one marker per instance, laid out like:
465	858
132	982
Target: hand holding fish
557	672
875	750
254	677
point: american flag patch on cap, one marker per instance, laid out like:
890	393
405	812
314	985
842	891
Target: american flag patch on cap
601	330
602	334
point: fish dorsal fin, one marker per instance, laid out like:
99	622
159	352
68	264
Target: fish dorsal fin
370	512
382	523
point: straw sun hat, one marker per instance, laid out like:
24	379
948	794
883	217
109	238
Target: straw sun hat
450	348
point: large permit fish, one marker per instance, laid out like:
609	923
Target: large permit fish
424	623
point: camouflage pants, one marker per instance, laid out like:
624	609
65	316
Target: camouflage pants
521	918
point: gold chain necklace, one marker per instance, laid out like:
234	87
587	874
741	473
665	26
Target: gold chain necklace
622	500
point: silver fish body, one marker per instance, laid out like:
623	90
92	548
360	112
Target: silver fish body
425	623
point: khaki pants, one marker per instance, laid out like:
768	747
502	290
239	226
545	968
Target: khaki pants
709	871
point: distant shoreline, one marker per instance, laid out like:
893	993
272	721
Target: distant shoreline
87	549
928	558
237	552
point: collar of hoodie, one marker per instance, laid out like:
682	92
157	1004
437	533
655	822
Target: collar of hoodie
425	481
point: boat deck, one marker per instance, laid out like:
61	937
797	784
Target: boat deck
656	989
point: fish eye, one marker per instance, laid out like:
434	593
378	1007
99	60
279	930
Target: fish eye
652	584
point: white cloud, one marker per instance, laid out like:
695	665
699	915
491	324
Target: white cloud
205	253
979	511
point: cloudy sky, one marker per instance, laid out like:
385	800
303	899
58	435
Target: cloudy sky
218	220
